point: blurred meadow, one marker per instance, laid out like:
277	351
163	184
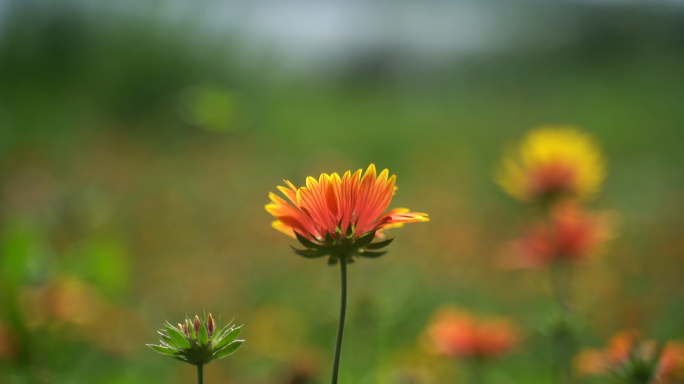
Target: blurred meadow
139	141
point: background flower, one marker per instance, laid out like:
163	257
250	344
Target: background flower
459	334
630	357
571	234
551	162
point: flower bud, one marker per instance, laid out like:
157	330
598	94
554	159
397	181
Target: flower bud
211	325
184	329
199	341
197	324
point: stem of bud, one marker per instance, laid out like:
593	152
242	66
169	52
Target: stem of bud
200	374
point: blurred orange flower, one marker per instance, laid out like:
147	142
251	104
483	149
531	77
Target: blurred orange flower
627	355
571	234
458	334
333	205
671	362
78	311
553	162
61	301
7	343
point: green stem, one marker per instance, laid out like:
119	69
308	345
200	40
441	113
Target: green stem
562	348
561	279
340	325
200	373
476	371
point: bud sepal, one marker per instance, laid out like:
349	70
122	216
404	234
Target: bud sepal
198	341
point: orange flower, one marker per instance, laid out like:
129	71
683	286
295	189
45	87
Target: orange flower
339	210
671	362
458	334
571	234
7	343
630	356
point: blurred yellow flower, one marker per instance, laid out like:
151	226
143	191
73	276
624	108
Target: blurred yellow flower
552	162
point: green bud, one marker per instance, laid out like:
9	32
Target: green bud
198	341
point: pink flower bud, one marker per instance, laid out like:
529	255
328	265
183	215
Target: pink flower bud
197	324
211	325
184	329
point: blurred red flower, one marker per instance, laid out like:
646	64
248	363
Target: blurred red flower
458	334
571	234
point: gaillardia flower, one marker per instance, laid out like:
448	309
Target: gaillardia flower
340	216
632	359
552	162
198	342
458	334
571	234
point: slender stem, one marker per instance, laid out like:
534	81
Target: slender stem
561	280
562	354
200	373
476	371
340	325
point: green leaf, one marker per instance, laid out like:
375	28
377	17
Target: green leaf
309	254
329	239
178	337
228	338
379	244
218	328
227	327
332	260
191	327
228	349
221	332
364	240
182	358
166	338
166	345
306	242
350	230
168	341
163	350
371	254
203	334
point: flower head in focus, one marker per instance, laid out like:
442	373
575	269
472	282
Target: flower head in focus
459	334
633	359
553	162
340	216
198	341
571	234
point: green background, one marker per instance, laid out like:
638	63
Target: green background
136	159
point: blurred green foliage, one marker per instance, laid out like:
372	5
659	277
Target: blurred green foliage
136	161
